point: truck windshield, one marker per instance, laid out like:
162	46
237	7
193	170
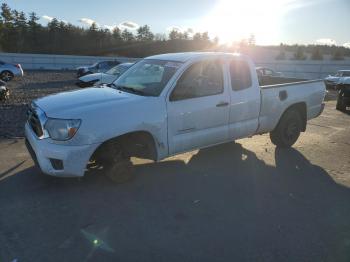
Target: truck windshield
147	77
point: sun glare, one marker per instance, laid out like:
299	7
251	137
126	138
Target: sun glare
237	19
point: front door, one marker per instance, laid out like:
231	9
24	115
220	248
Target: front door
198	108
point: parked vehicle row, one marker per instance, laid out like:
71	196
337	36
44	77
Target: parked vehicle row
162	106
340	82
4	91
8	71
97	67
332	80
343	88
103	78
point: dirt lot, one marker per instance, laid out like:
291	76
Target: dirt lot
244	201
23	90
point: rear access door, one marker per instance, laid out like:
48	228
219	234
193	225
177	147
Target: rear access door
245	99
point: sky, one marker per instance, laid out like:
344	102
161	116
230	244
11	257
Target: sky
271	21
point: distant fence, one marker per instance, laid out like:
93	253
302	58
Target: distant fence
55	62
299	69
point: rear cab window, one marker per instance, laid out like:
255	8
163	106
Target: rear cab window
240	75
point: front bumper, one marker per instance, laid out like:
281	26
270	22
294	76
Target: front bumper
74	158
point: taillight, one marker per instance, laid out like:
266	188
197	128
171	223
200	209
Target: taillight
18	66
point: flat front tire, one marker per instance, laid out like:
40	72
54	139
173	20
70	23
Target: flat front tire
116	164
288	129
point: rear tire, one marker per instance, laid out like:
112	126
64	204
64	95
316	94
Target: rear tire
6	76
288	129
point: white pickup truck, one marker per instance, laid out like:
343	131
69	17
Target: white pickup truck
162	106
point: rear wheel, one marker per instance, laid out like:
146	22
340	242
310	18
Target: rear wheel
288	129
6	76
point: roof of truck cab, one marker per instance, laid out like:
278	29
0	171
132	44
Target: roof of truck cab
184	57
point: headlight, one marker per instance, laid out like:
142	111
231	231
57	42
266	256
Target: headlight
62	129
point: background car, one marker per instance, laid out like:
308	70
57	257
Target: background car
332	80
4	92
343	88
103	78
9	71
98	67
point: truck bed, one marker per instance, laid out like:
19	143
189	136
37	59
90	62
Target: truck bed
275	99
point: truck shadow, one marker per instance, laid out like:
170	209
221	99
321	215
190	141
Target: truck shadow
224	197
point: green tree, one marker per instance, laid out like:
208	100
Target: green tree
316	53
144	33
19	30
6	14
197	37
299	54
338	54
174	34
205	37
282	54
127	36
33	35
116	34
7	41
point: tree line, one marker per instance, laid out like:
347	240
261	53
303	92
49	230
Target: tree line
312	52
20	33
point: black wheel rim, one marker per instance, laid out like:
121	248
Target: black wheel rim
6	76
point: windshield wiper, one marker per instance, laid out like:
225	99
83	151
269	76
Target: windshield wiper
130	90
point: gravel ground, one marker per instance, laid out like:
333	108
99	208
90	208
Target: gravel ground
23	90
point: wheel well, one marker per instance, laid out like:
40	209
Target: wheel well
301	109
6	71
138	144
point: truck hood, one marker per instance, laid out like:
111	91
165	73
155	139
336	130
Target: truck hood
74	102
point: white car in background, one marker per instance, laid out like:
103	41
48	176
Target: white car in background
332	80
103	78
9	71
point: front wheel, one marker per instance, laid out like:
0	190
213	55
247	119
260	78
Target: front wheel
288	129
115	163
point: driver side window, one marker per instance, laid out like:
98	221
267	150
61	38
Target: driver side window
200	79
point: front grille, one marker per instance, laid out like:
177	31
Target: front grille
34	122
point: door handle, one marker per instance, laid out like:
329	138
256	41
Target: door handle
221	104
